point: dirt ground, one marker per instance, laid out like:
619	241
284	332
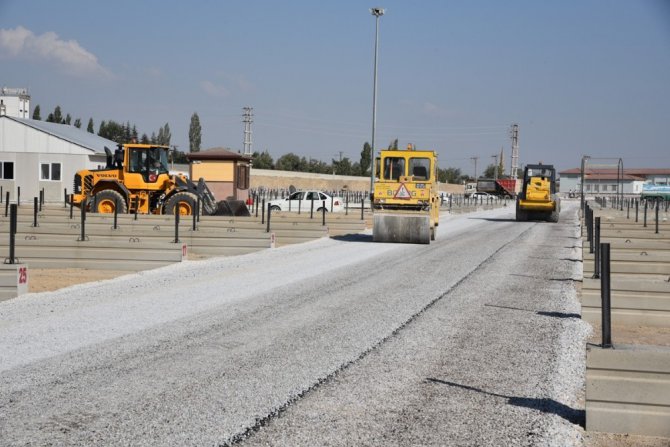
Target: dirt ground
47	280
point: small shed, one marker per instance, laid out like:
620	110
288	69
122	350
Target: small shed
226	172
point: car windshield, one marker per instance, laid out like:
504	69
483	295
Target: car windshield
419	167
539	172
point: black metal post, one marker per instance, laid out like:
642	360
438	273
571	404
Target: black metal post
137	207
263	212
83	221
116	212
1	194
197	209
256	199
12	233
596	255
195	214
645	214
41	199
71	205
346	206
18	196
311	208
176	224
64	197
323	212
628	209
362	208
300	205
658	205
7	204
35	206
267	229
605	295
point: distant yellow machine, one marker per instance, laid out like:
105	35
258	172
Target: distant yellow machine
405	202
538	199
136	178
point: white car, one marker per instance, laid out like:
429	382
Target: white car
302	200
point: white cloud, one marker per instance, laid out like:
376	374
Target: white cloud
213	89
67	55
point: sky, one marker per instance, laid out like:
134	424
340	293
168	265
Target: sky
579	77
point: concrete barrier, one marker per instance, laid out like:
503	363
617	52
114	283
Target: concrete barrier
14	280
628	390
634	302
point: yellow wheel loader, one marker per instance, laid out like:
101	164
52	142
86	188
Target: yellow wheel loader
136	178
405	202
538	199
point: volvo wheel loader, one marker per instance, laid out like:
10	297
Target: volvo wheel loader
136	179
405	202
538	199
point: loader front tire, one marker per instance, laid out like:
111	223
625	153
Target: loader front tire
183	202
106	201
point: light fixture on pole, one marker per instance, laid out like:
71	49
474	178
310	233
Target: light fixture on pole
377	12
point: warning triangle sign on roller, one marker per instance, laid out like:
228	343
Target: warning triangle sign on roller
402	193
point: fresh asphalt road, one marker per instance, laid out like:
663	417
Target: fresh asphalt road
471	340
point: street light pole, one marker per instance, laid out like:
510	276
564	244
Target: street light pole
377	12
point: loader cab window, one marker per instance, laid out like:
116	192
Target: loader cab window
419	168
148	160
394	167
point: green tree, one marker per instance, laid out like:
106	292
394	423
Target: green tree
68	119
113	131
449	175
366	157
262	160
342	167
36	113
194	133
50	118
133	133
77	123
164	135
90	128
145	139
490	171
57	116
288	162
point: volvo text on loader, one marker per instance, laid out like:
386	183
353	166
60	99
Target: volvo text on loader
136	178
538	199
405	202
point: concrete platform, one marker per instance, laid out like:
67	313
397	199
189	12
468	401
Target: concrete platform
628	390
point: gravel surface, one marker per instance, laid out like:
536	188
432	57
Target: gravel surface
472	340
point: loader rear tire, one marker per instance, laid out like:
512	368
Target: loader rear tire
105	201
183	202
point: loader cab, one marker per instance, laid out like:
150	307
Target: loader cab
148	161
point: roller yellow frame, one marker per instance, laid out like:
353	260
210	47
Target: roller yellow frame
405	202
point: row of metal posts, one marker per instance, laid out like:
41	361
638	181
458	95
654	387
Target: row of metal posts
601	269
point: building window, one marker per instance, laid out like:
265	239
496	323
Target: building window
614	188
588	188
596	188
243	177
7	170
50	171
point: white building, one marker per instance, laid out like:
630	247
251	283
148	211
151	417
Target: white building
36	155
15	102
605	181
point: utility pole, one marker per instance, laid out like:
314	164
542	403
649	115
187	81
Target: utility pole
475	160
514	134
247	119
377	13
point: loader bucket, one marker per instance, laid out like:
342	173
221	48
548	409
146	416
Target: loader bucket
401	227
231	208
